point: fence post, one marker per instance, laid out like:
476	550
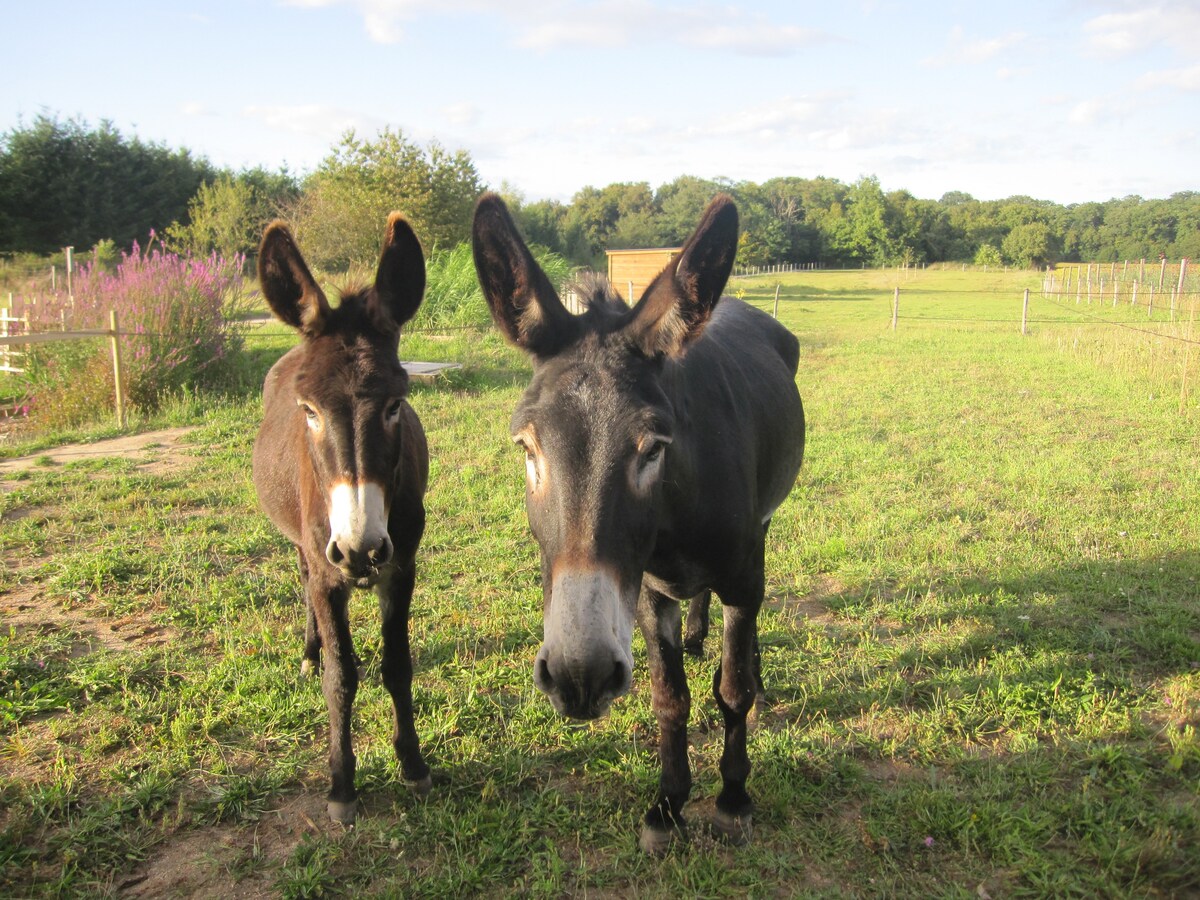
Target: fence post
776	313
118	385
1187	359
895	307
5	350
1183	264
1025	312
1162	272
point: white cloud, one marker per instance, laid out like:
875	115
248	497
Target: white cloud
1186	79
963	51
462	113
1086	112
568	33
326	123
558	25
1006	73
1122	33
382	18
752	39
785	115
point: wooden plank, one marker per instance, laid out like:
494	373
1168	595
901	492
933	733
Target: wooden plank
46	337
428	370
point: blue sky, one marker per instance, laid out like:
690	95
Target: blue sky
1065	100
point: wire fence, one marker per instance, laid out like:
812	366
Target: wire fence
1146	334
1087	309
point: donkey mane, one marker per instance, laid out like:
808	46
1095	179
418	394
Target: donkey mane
604	311
352	314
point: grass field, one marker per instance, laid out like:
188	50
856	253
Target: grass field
981	644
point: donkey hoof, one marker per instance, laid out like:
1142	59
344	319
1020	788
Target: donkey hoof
694	647
342	811
657	841
307	668
735	830
421	786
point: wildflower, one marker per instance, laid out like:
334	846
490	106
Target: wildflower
929	841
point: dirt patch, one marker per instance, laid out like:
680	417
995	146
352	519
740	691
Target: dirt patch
231	860
156	452
29	609
812	606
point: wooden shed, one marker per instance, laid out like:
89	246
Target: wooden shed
631	271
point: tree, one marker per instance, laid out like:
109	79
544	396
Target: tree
595	215
65	183
989	256
681	203
344	203
1030	245
221	220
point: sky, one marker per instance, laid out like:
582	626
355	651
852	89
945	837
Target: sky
1063	100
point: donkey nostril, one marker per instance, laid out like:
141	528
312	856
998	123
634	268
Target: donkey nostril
541	675
381	554
618	683
334	553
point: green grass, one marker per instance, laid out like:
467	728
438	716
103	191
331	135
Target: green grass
981	645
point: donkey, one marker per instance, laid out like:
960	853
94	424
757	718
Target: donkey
340	466
658	442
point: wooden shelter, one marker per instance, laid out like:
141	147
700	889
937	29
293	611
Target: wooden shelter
631	271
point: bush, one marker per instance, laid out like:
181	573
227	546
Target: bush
989	256
452	296
174	313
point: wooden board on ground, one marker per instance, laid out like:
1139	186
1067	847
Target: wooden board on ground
428	370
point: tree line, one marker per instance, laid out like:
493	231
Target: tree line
67	183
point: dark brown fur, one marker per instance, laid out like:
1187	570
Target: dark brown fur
659	442
335	412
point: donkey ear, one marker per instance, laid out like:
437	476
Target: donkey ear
400	278
678	303
289	287
524	304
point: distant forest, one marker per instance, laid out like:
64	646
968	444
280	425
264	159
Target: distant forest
67	183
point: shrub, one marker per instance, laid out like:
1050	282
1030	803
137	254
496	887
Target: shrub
173	311
452	296
989	256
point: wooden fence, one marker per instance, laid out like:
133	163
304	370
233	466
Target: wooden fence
26	337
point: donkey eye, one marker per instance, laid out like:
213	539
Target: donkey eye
393	410
653	449
310	414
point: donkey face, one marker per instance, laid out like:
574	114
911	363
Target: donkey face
349	390
596	425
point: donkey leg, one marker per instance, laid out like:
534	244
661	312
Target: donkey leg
339	683
659	619
310	663
395	597
697	624
735	686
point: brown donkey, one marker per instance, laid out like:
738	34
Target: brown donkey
340	466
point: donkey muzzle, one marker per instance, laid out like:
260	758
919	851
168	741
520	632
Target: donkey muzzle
586	661
359	543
